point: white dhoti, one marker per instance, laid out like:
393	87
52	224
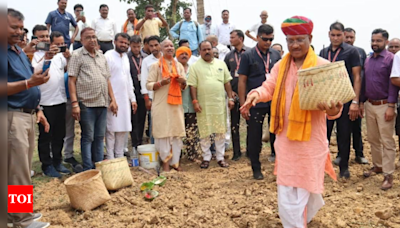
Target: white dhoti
169	149
228	124
205	144
297	206
115	144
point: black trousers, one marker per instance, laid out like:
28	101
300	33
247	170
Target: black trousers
235	123
254	133
53	141
357	136
138	120
105	46
192	140
344	128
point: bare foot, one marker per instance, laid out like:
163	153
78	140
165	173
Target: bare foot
165	167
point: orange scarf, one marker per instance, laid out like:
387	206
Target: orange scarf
299	128
125	27
174	93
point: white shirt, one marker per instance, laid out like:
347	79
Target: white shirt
53	91
222	51
81	26
122	85
224	33
146	64
254	28
396	66
193	59
105	29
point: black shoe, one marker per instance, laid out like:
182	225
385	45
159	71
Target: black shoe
258	175
337	161
344	174
76	166
271	159
236	157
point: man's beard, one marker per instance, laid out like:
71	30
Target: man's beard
119	50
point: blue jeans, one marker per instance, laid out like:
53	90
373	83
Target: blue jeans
93	125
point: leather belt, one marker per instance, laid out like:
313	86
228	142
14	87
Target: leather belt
24	110
378	102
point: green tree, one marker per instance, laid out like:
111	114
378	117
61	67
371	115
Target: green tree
171	13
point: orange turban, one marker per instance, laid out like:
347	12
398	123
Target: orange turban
297	25
183	49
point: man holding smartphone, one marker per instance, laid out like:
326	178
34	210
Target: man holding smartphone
59	20
23	97
151	24
81	21
53	102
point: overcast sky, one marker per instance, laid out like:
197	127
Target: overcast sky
362	15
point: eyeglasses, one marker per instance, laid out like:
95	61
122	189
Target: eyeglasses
267	39
208	18
90	38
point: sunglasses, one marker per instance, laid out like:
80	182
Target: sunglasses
267	39
208	18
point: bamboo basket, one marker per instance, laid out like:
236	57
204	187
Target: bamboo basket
86	190
325	83
116	173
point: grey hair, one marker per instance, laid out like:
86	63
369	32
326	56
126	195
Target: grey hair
15	14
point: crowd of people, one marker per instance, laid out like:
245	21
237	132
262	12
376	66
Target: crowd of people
112	79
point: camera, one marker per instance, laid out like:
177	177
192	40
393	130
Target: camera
63	48
43	46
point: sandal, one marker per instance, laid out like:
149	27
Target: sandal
223	164
179	169
204	164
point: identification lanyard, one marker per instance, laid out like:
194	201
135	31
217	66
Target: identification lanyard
266	64
336	55
138	68
238	59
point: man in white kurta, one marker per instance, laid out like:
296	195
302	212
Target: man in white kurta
119	125
167	78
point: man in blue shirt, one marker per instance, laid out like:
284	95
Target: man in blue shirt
188	29
23	102
59	20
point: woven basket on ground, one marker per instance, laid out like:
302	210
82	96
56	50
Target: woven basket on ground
86	190
116	173
324	83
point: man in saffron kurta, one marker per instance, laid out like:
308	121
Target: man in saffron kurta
300	135
167	78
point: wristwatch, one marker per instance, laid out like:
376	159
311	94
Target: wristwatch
39	108
354	102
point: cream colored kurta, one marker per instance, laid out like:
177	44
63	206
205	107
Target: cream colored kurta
167	120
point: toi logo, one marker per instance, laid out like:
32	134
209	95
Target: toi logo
20	198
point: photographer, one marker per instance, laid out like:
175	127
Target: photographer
53	102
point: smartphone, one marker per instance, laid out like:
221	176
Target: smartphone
43	46
33	38
46	65
155	15
82	13
63	48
